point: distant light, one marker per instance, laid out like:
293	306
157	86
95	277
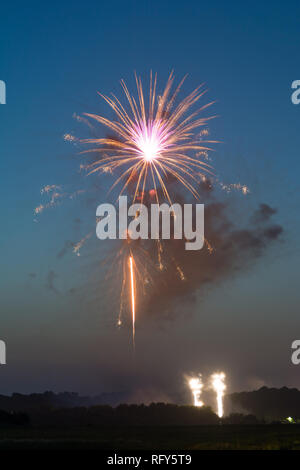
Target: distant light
290	419
196	387
219	386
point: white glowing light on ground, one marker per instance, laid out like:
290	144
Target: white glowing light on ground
219	387
196	386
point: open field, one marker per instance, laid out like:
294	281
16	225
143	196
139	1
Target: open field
231	437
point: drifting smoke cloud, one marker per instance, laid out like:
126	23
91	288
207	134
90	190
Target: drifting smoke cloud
263	213
230	249
233	244
50	281
68	245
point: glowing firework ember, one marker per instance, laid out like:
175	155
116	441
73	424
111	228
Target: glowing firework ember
132	289
196	387
219	387
152	140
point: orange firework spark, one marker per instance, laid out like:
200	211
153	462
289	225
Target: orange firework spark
132	297
152	141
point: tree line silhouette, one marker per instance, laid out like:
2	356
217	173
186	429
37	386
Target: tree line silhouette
257	407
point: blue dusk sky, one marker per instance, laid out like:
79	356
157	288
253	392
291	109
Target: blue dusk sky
57	314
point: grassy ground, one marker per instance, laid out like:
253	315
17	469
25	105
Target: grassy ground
266	437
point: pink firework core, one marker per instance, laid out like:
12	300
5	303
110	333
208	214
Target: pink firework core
149	141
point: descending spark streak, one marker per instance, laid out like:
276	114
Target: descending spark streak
132	297
196	387
219	386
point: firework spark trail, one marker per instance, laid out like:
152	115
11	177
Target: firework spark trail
77	246
219	387
144	270
55	195
196	386
132	289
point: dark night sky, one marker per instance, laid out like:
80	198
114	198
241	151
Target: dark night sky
56	315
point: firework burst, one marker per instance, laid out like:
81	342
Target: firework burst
152	141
